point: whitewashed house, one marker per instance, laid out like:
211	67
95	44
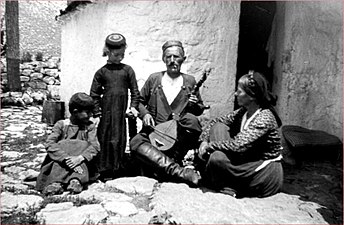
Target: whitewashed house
298	45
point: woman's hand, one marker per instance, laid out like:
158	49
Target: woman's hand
148	120
73	161
202	149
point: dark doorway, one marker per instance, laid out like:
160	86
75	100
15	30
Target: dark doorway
254	30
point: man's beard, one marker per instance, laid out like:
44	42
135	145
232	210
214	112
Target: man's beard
173	66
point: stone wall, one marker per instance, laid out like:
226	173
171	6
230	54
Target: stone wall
208	29
308	53
40	80
38	29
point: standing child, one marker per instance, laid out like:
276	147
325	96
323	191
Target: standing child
110	92
71	147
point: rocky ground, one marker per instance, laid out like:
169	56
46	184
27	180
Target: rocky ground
312	192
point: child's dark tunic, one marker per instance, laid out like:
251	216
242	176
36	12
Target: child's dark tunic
110	91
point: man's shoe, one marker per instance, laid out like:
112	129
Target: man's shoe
228	191
74	186
53	189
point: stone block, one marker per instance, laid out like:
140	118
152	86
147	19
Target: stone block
52	64
43	64
38	96
12	155
186	205
27	65
52	72
34	63
16	94
39	69
29	90
55	59
103	196
54	91
49	80
10	202
5	95
24	79
27	99
86	214
4	81
53	207
28	175
142	185
37	85
36	76
14	170
26	72
32	84
3	68
121	208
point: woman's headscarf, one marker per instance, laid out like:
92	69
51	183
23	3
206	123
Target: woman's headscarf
255	85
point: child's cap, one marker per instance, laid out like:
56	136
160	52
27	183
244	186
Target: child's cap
115	41
81	101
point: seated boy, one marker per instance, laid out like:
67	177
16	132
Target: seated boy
71	148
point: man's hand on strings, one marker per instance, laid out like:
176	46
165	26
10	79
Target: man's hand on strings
148	120
193	99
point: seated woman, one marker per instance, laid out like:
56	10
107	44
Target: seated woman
71	148
244	146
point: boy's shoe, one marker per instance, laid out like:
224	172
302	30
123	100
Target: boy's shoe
74	186
53	189
229	191
106	176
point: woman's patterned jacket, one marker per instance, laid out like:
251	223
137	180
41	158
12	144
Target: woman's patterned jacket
259	141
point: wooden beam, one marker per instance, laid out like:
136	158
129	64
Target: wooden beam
12	42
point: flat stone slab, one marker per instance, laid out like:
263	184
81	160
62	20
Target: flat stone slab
133	185
12	155
28	174
14	170
9	163
10	202
141	218
66	213
16	128
188	206
120	208
103	196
